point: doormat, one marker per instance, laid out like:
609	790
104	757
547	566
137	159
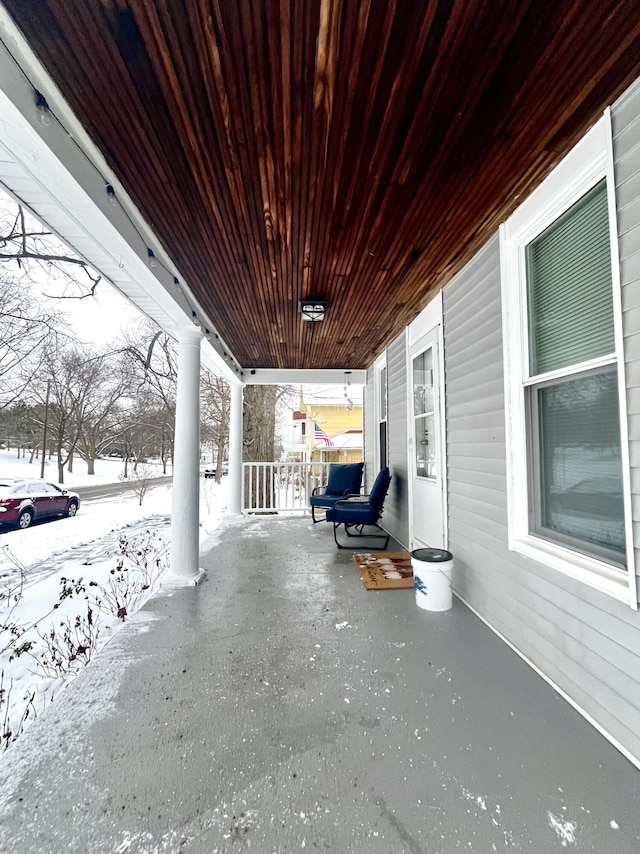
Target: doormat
385	571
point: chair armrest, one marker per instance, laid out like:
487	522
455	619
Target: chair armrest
319	490
352	499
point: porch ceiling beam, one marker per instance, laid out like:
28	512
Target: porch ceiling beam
274	376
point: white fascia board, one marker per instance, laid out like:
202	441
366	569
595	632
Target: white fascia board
276	376
59	174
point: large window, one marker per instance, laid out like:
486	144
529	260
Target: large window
568	502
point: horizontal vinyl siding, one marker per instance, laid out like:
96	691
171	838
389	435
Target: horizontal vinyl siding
396	512
585	642
625	117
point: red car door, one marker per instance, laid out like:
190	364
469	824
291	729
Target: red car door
44	499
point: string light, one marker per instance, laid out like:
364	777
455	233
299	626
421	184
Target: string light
43	108
111	194
46	116
347	382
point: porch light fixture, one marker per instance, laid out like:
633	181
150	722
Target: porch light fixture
312	309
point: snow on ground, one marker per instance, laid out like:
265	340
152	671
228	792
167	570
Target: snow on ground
33	562
107	470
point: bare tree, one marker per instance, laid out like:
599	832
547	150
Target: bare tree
154	361
215	410
26	329
34	254
78	398
107	380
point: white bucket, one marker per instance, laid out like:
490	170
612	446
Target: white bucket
432	569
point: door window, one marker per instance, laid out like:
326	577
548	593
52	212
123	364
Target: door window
424	416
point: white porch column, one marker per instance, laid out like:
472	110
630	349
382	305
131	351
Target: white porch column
234	496
185	513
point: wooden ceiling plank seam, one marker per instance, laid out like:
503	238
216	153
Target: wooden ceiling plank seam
273	195
235	128
304	67
330	239
379	32
353	34
268	194
218	191
184	116
165	190
396	231
327	54
236	45
373	156
367	227
106	96
309	334
254	24
219	105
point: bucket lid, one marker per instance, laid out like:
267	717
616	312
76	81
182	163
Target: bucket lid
432	555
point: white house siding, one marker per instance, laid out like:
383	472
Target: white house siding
396	508
625	119
587	643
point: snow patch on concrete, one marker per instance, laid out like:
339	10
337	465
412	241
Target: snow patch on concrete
566	830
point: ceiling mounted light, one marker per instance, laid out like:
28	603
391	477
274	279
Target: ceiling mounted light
312	309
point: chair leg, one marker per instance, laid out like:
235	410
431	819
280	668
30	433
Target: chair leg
382	536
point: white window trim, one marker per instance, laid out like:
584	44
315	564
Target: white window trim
378	366
589	162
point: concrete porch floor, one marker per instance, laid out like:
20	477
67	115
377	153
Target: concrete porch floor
280	707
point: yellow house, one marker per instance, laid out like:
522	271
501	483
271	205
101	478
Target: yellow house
332	432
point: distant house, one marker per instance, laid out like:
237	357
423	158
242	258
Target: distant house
325	432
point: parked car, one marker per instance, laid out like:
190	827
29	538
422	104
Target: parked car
212	472
22	501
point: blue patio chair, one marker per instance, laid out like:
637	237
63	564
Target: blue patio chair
344	479
363	511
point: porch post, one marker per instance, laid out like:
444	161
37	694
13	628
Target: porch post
185	512
234	496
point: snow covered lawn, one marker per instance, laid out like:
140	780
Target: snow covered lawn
106	534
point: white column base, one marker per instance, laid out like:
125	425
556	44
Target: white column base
176	582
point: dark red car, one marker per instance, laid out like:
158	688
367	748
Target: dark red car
22	501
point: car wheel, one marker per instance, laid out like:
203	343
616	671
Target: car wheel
72	509
25	518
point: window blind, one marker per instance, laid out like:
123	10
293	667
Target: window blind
570	287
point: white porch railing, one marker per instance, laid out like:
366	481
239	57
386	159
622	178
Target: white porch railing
281	487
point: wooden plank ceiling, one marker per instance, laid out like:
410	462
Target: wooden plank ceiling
356	151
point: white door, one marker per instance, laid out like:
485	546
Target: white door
426	446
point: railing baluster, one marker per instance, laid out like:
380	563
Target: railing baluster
283	487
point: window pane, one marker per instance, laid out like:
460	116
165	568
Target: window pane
383	394
570	290
423	383
581	494
425	443
383	444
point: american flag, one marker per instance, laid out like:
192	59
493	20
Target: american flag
320	436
